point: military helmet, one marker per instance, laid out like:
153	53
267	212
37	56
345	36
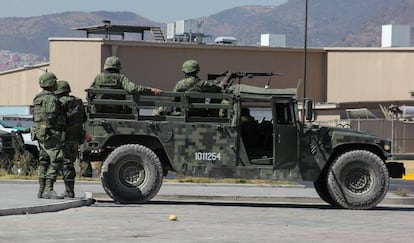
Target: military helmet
112	62
191	66
62	87
47	80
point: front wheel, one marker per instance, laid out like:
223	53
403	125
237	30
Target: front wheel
132	173
358	180
321	188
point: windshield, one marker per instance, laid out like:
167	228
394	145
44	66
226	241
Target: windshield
5	124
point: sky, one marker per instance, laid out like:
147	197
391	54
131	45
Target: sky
164	11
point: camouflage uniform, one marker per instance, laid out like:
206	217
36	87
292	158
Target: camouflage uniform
118	81
47	130
111	78
192	83
75	116
195	84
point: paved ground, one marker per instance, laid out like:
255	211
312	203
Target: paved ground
230	222
19	197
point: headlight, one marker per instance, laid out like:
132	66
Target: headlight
385	144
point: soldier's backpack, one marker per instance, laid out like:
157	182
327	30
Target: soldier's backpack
75	117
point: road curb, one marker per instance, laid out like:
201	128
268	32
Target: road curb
52	207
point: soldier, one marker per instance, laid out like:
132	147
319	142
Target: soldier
75	116
191	81
47	130
111	78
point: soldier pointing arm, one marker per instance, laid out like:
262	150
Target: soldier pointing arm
112	78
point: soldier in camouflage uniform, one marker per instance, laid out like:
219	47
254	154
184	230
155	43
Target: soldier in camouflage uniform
75	117
47	130
191	81
111	78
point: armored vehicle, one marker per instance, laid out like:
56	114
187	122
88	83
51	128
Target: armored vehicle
245	132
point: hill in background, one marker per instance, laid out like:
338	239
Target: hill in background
331	23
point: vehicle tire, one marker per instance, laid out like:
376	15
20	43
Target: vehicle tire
321	188
358	180
132	173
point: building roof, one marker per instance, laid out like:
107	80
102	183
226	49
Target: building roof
110	29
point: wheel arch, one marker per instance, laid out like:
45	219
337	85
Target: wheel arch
338	150
355	146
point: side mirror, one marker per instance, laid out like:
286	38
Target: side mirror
309	110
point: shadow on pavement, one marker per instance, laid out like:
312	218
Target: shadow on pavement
249	204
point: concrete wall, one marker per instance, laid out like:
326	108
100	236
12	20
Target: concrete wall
19	86
337	75
76	61
159	64
384	74
79	60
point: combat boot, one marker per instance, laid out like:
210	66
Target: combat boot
42	185
49	192
70	189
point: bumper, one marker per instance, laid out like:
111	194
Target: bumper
395	169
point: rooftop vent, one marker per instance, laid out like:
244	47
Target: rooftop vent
225	40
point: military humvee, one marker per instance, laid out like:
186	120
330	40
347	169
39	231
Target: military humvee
246	132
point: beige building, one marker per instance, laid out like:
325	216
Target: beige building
337	78
370	74
159	65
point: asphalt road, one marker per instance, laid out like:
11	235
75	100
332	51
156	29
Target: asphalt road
396	185
213	220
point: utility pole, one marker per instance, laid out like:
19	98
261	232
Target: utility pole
305	46
305	51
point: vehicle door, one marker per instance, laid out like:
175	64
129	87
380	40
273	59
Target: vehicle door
285	133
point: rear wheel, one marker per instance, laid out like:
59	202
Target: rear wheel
358	180
132	174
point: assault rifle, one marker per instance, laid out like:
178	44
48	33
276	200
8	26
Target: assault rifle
230	77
